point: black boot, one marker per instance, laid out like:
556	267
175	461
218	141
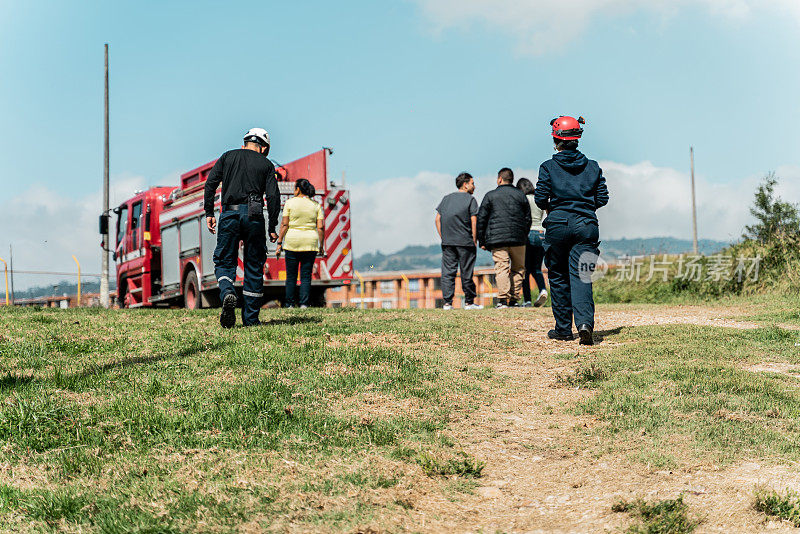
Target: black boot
552	334
228	316
585	333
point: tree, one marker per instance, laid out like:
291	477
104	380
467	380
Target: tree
774	218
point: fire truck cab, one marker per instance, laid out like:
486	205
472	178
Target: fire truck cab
164	252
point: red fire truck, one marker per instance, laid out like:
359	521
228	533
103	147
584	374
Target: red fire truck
164	252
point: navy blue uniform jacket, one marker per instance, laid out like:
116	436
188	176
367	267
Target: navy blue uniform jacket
571	183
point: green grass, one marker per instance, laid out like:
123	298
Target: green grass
669	516
128	418
609	290
159	421
584	376
783	309
785	506
776	275
688	388
458	464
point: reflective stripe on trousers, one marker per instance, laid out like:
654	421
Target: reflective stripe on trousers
235	226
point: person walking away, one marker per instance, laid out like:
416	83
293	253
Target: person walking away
504	220
302	236
456	221
570	189
534	251
246	176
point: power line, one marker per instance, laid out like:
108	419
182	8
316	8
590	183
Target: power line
60	273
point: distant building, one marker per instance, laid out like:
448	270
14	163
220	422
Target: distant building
67	301
408	289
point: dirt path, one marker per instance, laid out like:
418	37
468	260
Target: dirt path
540	475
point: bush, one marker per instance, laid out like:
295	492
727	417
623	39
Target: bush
662	517
774	240
774	218
785	506
460	464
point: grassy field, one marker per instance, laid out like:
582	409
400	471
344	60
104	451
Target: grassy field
160	421
337	420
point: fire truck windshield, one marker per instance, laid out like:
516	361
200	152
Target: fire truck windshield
137	212
122	224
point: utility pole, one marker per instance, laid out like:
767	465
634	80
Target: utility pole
104	300
5	269
11	262
694	203
79	280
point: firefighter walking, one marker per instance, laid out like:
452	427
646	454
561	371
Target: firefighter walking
570	189
246	176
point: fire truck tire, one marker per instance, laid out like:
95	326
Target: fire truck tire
210	298
122	293
191	292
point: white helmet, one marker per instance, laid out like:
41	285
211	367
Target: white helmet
258	135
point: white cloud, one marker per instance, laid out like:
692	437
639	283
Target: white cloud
390	214
46	229
650	201
646	201
541	25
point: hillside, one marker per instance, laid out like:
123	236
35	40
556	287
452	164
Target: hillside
63	287
429	257
615	248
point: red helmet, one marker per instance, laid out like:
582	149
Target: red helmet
567	128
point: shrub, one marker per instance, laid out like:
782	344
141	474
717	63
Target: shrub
663	517
774	240
785	506
460	464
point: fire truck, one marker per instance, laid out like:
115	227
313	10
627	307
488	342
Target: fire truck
164	252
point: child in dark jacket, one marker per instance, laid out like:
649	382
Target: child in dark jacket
571	188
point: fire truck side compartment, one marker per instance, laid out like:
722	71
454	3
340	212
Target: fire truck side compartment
208	243
190	237
169	256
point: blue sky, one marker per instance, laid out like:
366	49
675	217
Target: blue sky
376	81
397	88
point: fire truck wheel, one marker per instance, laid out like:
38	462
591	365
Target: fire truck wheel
191	292
122	294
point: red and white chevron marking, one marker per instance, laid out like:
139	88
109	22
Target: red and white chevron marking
337	235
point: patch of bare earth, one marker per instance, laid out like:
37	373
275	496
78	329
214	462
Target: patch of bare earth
25	476
370	405
301	488
781	368
372	340
667	315
543	473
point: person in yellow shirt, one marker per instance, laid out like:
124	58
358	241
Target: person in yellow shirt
302	236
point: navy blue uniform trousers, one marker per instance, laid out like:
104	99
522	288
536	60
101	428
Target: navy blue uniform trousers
235	226
570	254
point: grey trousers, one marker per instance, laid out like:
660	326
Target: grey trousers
454	259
